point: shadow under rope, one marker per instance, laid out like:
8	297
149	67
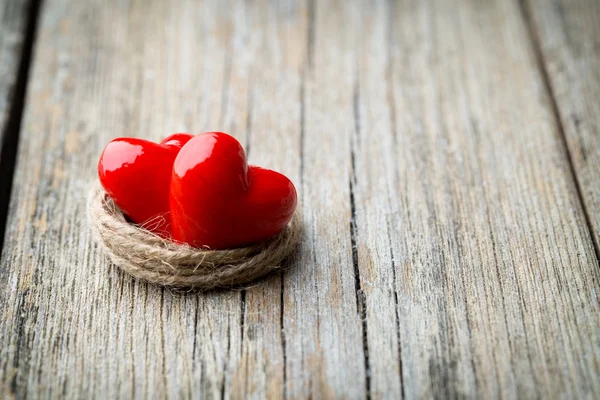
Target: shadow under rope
12	128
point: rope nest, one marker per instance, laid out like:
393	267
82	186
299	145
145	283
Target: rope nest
151	258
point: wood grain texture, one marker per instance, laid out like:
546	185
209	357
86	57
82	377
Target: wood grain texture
568	35
13	25
322	324
488	239
446	252
496	270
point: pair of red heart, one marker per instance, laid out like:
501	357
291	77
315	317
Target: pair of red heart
197	190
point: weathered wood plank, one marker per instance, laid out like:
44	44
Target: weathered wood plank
568	34
13	24
375	197
322	325
496	273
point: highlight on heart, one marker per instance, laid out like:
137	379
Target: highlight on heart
190	212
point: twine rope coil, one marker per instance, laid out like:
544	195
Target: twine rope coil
151	258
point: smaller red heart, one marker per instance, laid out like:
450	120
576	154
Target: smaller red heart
136	174
218	201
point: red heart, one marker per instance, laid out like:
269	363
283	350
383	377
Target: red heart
136	174
218	201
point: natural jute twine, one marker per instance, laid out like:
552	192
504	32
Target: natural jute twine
153	259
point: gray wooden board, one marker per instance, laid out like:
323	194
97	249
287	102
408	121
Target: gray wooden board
445	254
568	33
13	23
496	277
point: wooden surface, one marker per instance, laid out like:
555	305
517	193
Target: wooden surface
568	35
448	196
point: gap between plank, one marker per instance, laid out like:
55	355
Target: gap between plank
310	37
361	304
281	326
394	125
537	49
10	136
225	366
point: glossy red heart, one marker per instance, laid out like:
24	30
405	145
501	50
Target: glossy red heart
136	174
218	201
